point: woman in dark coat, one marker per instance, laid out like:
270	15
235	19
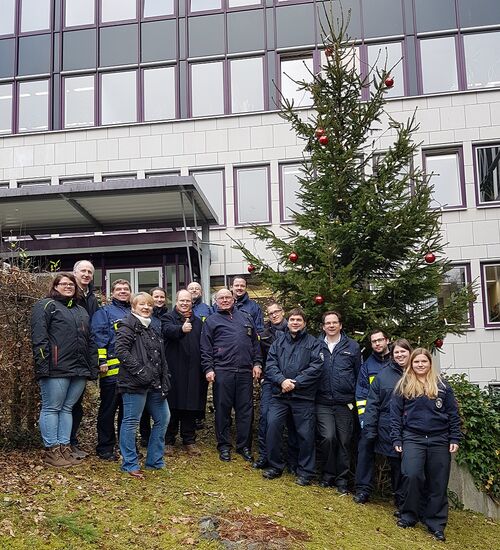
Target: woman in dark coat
182	331
65	358
143	382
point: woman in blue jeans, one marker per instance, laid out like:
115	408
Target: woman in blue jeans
65	357
143	382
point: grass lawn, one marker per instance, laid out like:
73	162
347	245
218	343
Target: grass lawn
96	506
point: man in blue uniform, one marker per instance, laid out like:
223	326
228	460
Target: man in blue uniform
200	309
231	360
243	303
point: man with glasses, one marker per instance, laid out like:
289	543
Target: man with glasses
231	360
379	358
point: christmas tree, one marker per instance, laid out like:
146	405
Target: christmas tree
365	241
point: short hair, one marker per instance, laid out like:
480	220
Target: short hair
239	277
193	283
402	343
77	264
298	312
53	293
273	303
331	312
145	295
160	288
120	282
221	290
181	290
376	331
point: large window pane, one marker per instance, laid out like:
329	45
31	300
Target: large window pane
203	5
33	105
446	179
247	85
388	55
252	188
207	89
454	280
290	186
238	3
488	173
481	59
439	65
118	10
5	108
118	45
159	93
79	12
79	101
156	8
293	71
212	186
492	276
123	86
35	15
7	9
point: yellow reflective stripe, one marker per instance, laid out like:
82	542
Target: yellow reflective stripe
371	378
112	362
41	353
361	411
102	353
115	326
111	372
360	403
203	319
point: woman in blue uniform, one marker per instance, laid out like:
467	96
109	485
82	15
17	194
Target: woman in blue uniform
425	428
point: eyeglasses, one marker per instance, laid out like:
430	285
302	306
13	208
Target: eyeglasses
69	285
275	312
378	341
224	298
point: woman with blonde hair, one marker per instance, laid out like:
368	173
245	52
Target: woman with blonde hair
425	428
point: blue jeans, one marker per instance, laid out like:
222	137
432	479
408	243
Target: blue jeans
58	397
133	406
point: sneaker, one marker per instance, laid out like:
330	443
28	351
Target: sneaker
53	457
69	456
79	453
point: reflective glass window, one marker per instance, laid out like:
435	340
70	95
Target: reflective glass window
35	15
293	71
204	5
446	179
119	85
157	8
212	186
481	59
488	173
79	12
5	108
439	65
159	93
290	186
33	105
247	85
79	101
453	281
492	279
389	56
118	45
7	9
34	54
239	3
252	189
207	89
118	10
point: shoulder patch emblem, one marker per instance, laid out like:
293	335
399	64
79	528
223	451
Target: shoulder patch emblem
439	403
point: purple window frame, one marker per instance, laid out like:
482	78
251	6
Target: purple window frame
195	171
16	103
464	61
484	289
283	219
172	15
13	107
225	85
460	154
77	27
137	97
18	22
101	23
141	96
314	55
228	82
63	101
468	280
204	12
479	203
237	222
245	7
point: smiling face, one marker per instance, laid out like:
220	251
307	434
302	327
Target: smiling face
401	356
159	298
295	324
84	273
184	301
225	300
379	343
421	365
195	290
122	292
275	314
66	287
332	327
142	307
239	287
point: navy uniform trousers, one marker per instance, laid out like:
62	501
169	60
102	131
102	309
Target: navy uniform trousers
365	465
110	403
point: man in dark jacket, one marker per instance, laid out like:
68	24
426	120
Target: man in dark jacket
294	365
83	270
335	401
243	303
104	326
187	396
231	359
200	309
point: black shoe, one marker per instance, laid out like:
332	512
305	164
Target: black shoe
325	483
292	469
111	457
343	490
260	464
404	524
271	473
225	455
361	498
199	424
397	514
303	481
246	453
438	535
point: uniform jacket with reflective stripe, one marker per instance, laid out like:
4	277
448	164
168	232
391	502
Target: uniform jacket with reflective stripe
201	310
253	309
369	370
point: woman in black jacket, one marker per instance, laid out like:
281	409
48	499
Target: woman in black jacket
143	382
65	357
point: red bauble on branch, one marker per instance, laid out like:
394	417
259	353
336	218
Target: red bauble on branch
319	132
430	258
293	257
251	268
319	300
438	343
389	82
328	52
323	140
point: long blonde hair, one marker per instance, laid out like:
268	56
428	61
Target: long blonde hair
410	386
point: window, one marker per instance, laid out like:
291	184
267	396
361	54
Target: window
481	59
35	15
293	71
492	281
205	5
388	56
68	181
439	65
290	185
79	12
124	86
119	177
247	85
447	178
457	278
118	10
159	93
207	89
252	195
157	8
35	183
488	173
212	186
33	105
239	3
5	108
79	101
7	9
118	45
163	174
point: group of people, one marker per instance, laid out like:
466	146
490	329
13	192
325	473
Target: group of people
154	367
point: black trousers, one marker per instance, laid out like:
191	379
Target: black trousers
233	390
110	403
365	465
335	427
77	413
396	481
186	420
304	421
425	470
145	426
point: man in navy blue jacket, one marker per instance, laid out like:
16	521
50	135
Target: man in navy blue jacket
243	303
293	366
231	360
200	309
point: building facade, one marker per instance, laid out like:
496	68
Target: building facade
92	90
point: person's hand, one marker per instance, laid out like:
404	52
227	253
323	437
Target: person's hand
287	385
257	372
103	368
187	326
398	448
453	447
210	376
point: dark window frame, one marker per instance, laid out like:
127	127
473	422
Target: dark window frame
236	169
281	181
194	171
63	100
468	281
477	183
487	323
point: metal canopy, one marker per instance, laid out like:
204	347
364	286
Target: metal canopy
159	202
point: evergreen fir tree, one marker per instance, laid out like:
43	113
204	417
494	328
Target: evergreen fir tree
363	234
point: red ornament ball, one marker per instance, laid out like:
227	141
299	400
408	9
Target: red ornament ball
430	258
319	132
323	140
389	82
328	52
251	268
293	257
319	300
438	343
